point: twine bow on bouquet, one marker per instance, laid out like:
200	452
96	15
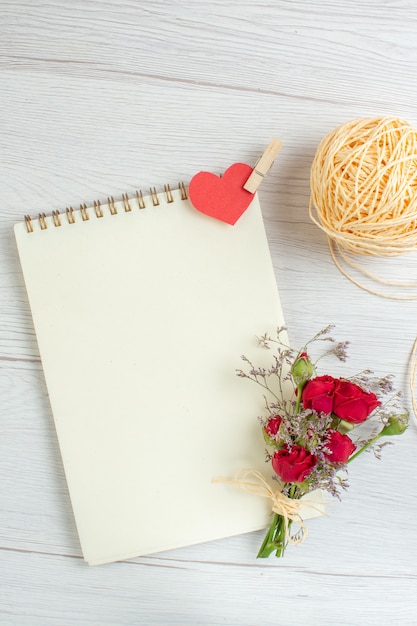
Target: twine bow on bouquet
310	437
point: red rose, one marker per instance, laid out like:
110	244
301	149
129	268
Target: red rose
293	465
340	446
352	403
272	425
318	394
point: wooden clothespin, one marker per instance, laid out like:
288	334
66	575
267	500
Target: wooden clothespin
263	166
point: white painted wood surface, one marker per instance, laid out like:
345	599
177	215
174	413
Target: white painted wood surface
101	98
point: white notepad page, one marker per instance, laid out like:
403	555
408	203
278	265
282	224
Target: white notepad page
141	319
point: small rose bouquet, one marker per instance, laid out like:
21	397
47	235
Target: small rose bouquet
312	436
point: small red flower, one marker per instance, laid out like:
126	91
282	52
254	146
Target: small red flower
352	403
293	465
318	394
340	446
272	425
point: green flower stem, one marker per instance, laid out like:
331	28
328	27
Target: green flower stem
396	425
275	539
299	394
268	544
365	447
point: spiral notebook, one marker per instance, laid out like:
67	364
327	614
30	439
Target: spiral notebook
142	309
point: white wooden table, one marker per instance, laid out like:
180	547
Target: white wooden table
101	98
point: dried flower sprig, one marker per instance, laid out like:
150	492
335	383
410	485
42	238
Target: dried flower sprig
309	424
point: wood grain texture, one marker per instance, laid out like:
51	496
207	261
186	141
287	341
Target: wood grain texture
102	98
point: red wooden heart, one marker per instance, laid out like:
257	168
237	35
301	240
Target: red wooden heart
222	197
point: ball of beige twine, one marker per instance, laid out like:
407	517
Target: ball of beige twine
364	186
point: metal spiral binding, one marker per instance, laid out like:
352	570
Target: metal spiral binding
28	224
154	196
84	212
183	191
70	215
126	204
42	221
111	205
56	218
168	194
98	210
140	200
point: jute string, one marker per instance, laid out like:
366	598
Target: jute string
364	196
287	507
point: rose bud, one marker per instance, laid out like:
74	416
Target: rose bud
302	369
318	394
352	403
293	465
396	425
340	447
